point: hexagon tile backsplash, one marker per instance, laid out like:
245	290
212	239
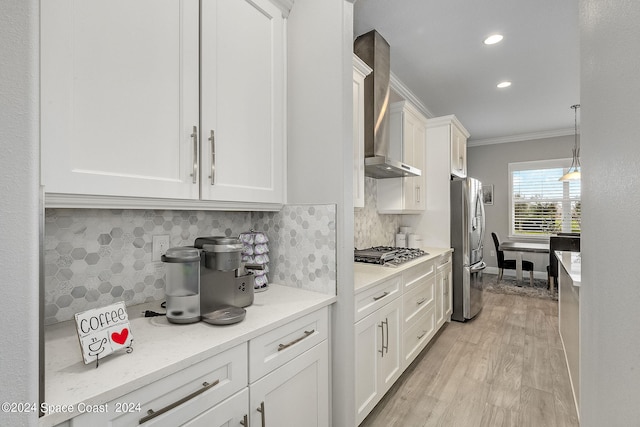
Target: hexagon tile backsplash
94	257
302	244
370	227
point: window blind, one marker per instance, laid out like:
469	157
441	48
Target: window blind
541	204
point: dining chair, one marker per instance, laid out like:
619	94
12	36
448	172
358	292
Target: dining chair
510	264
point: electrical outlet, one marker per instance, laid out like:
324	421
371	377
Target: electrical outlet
159	246
493	253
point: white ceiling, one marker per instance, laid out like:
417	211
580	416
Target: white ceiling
437	51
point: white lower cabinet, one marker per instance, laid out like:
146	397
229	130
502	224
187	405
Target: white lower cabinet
444	304
289	374
296	394
231	412
179	397
288	386
378	355
395	320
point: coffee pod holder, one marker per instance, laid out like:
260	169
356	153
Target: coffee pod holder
255	255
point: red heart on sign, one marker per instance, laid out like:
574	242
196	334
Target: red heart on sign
121	337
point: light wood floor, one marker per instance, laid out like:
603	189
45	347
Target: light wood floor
504	368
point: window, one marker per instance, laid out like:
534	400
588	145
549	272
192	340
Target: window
541	205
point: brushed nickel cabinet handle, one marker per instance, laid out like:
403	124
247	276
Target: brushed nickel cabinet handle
386	322
212	139
422	334
262	416
297	340
385	339
245	421
151	414
381	296
421	301
194	137
381	351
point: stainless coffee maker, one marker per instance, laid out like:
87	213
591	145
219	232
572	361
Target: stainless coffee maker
226	284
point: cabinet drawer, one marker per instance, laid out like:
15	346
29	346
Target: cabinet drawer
417	301
224	375
443	261
416	337
414	275
276	347
373	298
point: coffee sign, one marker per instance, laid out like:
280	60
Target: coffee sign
103	331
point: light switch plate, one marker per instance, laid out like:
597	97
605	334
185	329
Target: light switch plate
159	246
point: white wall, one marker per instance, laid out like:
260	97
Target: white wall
320	164
19	190
610	146
490	164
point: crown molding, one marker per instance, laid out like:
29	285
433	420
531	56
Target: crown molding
520	137
284	6
360	66
402	90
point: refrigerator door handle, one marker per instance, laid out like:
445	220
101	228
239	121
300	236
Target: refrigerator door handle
482	266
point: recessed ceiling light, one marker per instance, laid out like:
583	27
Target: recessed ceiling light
493	39
502	85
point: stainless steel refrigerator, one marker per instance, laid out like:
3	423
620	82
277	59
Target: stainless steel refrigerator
467	236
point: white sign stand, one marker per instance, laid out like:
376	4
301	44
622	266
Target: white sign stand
102	331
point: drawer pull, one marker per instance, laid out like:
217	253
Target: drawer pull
151	414
381	296
297	340
421	301
422	334
262	416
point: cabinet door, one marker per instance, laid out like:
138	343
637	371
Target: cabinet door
440	299
360	69
296	394
242	103
378	356
448	294
229	413
391	360
369	342
414	149
119	97
458	152
408	130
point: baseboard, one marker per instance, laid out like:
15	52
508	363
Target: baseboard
542	275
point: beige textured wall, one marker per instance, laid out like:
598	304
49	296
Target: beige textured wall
490	164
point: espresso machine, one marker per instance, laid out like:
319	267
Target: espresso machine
226	283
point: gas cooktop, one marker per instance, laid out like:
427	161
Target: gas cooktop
387	255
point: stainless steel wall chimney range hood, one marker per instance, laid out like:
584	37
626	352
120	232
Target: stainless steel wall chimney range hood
373	49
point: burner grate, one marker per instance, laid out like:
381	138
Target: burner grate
387	255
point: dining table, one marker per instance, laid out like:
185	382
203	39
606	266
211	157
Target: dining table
521	247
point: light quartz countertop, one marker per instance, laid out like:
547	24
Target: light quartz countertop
368	275
160	348
572	263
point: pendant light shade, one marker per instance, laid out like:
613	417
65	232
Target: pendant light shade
573	174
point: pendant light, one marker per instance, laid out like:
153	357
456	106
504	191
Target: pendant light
573	174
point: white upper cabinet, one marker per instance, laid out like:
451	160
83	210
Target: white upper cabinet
119	97
132	91
408	129
360	71
449	131
242	101
458	150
